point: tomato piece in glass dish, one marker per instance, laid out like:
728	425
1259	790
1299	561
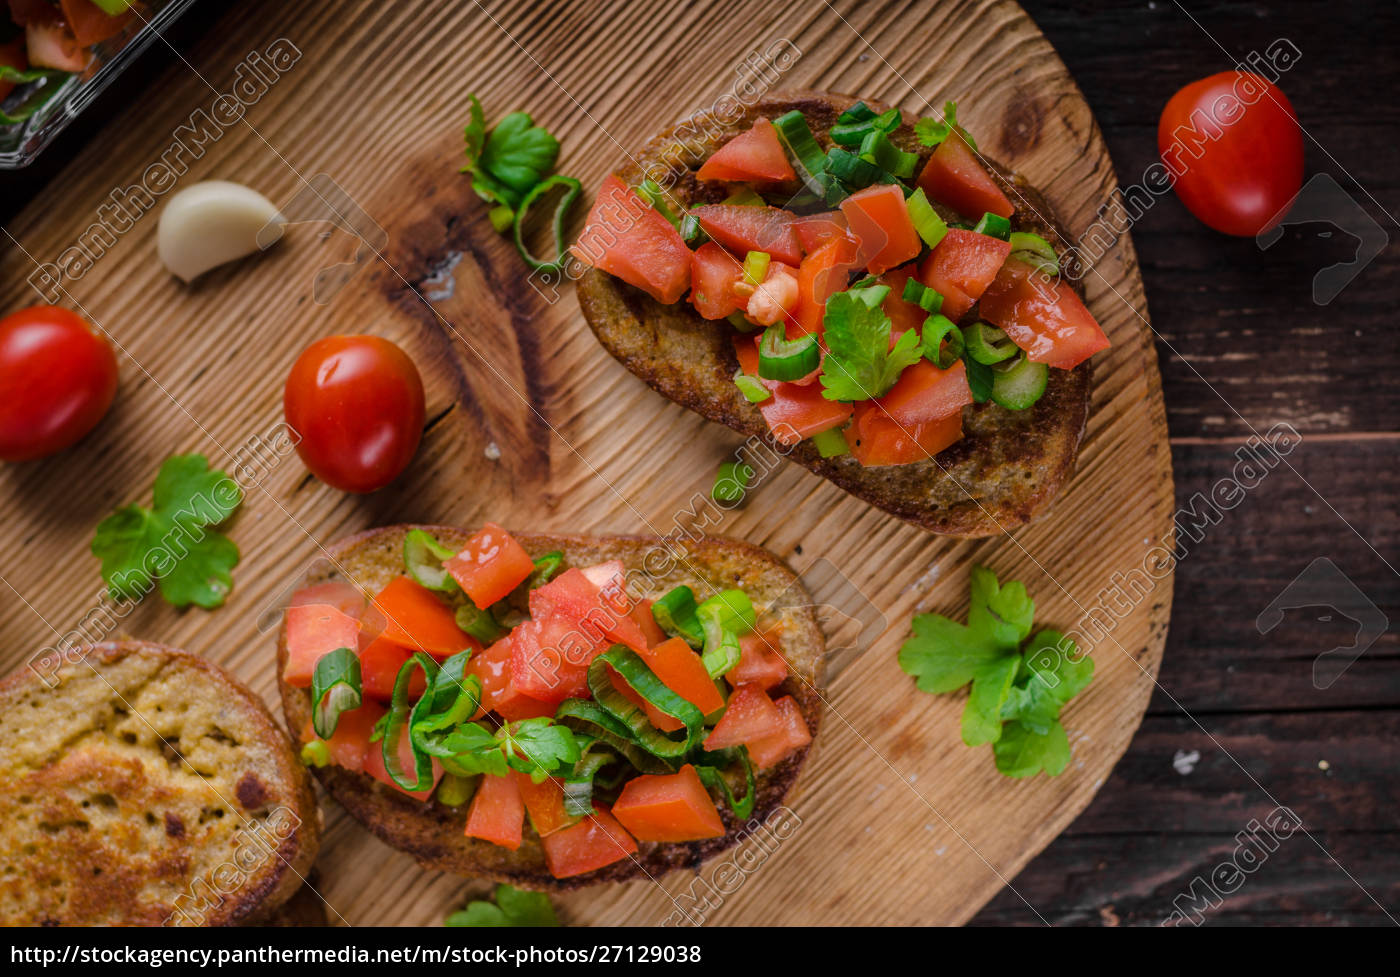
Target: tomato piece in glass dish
629	239
741	228
962	267
668	808
595	842
1043	316
755	156
490	565
955	177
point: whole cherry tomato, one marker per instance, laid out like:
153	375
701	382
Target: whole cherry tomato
57	379
357	404
1235	147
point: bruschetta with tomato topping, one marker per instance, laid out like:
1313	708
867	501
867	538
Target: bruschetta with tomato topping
868	293
552	711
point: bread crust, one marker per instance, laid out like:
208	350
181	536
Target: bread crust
1006	469
147	787
433	833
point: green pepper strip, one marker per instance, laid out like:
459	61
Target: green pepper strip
937	328
335	688
675	614
560	211
397	722
780	358
797	136
636	674
712	778
589	718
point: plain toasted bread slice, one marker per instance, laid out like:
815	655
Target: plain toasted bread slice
433	832
146	787
1005	470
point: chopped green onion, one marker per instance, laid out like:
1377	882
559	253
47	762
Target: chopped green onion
675	615
1034	243
1020	385
807	156
335	688
831	443
422	558
745	197
756	266
501	218
561	210
454	791
937	329
451	698
644	682
724	617
713	778
854	126
546	567
739	322
754	391
856	114
853	172
731	482
478	623
652	195
780	358
979	379
396	724
585	716
876	148
578	797
993	225
691	232
927	223
315	754
917	293
987	344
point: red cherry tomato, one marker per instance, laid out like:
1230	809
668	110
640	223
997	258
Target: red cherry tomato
357	404
57	379
1235	147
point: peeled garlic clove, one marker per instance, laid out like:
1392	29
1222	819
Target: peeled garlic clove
210	223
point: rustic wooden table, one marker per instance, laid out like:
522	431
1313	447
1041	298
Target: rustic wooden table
1239	726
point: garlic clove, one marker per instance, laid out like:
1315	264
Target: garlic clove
211	223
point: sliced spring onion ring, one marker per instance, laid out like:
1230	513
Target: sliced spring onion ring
589	718
691	231
756	266
853	172
993	225
546	567
876	148
807	156
675	614
396	724
988	344
711	775
979	380
1034	243
335	688
780	358
1020	385
653	196
645	683
315	754
857	122
731	482
753	391
917	293
723	618
454	790
478	623
937	330
561	210
422	558
831	443
856	115
927	223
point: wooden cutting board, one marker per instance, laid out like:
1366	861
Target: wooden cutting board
533	425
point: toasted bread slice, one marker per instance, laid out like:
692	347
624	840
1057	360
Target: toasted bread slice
146	787
1005	470
433	832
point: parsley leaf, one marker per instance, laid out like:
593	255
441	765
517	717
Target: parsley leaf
538	747
513	907
859	363
510	160
932	131
1019	686
173	544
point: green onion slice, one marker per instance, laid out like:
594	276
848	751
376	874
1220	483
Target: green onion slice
807	156
478	623
711	775
739	322
987	344
691	232
857	122
831	443
454	790
422	558
315	754
731	482
780	358
645	683
917	293
546	567
723	618
856	115
979	380
753	391
1034	243
450	699
1020	384
561	210
589	718
993	225
335	688
756	266
937	329
675	614
854	172
876	148
927	223
653	196
396	723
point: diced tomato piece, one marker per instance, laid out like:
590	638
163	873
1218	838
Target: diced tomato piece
742	229
903	315
713	274
550	658
90	24
12	55
755	156
415	618
821	275
955	176
349	743
490	566
379	666
582	603
610	577
52	45
340	594
544	802
796	410
314	630
750	715
498	695
682	671
1042	316
875	439
794	735
668	808
595	842
760	664
497	813
880	221
627	238
641	613
374	766
925	393
815	230
961	268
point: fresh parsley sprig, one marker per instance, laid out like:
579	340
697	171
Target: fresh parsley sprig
513	907
932	131
1019	687
860	363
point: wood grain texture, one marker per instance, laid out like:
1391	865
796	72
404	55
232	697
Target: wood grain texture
583	445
